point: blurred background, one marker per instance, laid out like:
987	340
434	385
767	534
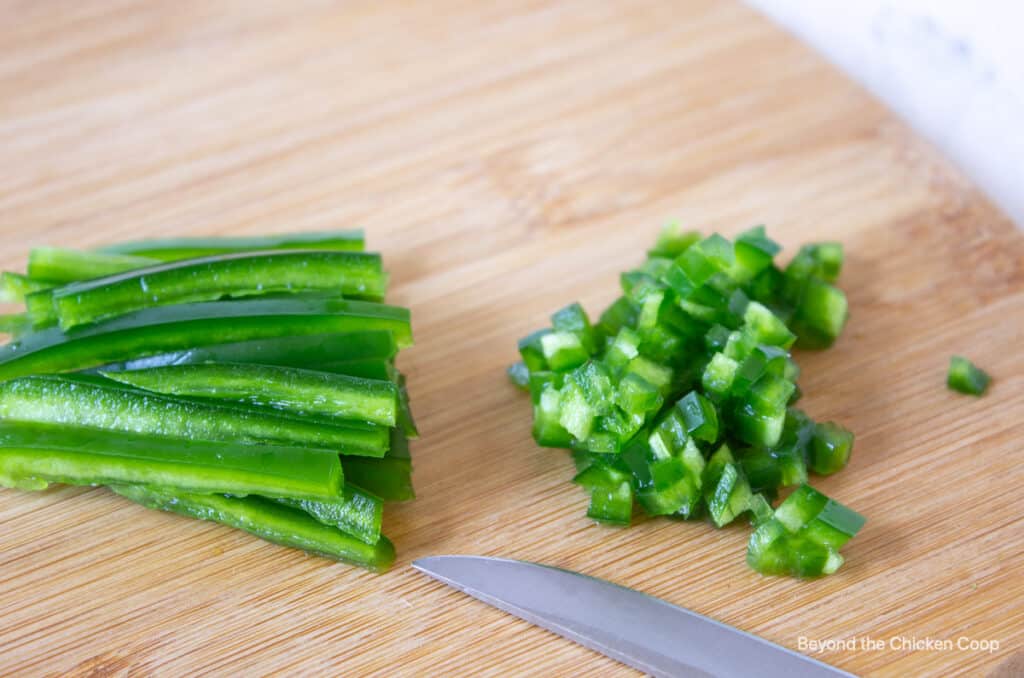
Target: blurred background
953	69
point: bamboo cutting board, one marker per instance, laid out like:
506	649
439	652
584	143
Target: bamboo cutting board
508	158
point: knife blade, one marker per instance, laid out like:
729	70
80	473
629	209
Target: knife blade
636	629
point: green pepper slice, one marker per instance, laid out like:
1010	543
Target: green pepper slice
160	330
34	455
349	274
86	400
173	249
268	520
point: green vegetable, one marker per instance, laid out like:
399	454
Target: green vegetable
161	330
352	274
174	249
314	351
356	512
14	287
964	377
268	520
804	536
84	400
34	455
291	390
59	265
611	496
685	385
830	448
389	477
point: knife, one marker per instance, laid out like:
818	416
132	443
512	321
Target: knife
636	629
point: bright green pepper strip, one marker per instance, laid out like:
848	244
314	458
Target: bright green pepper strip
357	513
175	249
965	378
34	455
288	389
175	328
60	265
85	400
350	274
314	352
14	287
268	520
390	477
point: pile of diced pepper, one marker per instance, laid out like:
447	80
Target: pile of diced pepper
681	397
247	381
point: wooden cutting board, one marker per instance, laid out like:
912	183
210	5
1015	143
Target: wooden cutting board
508	158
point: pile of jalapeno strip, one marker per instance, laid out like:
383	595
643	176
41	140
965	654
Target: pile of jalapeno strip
681	397
247	381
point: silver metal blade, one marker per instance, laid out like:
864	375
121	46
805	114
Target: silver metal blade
634	628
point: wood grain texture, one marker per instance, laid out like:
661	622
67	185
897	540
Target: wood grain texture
508	158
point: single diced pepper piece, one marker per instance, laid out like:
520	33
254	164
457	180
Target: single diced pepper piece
622	313
763	471
726	490
822	260
816	517
622	349
757	428
174	328
635	395
34	455
754	253
673	241
965	377
563	351
174	249
611	496
760	509
355	512
288	389
718	375
830	448
574	319
700	416
765	327
268	520
85	400
819	315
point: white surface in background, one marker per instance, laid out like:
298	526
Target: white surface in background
954	69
